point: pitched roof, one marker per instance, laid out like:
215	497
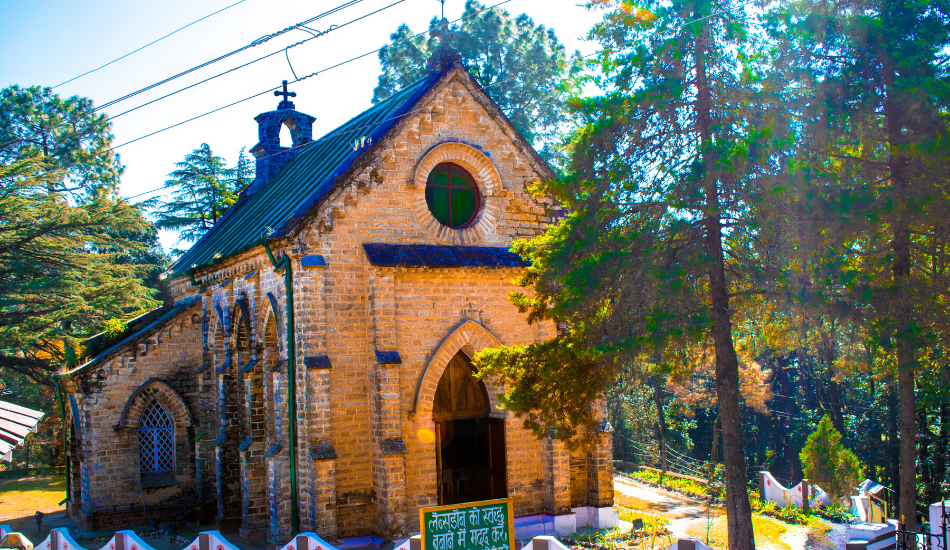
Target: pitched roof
15	423
142	326
271	211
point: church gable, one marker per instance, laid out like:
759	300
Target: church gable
454	127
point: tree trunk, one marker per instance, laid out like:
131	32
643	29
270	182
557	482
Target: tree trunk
714	450
900	265
926	463
658	399
940	462
893	450
837	416
738	510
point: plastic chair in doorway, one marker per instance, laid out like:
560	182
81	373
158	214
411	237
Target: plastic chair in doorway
464	478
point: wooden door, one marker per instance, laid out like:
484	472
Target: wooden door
439	432
496	457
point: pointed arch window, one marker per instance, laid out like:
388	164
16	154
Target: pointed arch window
156	440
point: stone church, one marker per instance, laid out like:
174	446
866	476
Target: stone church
311	368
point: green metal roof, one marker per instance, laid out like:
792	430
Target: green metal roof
274	208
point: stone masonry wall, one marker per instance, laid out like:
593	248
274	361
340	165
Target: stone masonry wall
162	367
365	309
347	310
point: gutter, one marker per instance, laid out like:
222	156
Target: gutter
62	412
284	264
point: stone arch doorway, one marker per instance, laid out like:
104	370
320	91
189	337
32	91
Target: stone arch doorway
470	446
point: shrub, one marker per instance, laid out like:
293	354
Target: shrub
115	328
828	463
671	481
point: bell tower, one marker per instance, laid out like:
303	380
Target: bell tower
269	153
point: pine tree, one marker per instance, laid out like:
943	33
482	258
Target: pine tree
871	173
64	269
828	464
202	188
661	239
522	66
72	137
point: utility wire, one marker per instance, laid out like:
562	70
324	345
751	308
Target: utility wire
318	35
290	82
257	42
329	136
106	120
149	44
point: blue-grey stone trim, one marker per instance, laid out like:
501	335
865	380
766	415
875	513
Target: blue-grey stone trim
390	357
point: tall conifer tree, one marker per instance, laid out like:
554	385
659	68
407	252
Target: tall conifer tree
870	173
202	188
660	242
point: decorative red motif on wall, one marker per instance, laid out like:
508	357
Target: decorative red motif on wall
111	546
220	547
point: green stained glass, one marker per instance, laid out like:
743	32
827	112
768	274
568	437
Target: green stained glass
452	196
438	200
464	203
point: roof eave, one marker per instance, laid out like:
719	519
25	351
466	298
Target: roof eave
143	332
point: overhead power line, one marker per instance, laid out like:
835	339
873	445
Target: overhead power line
106	120
318	35
268	90
257	42
149	44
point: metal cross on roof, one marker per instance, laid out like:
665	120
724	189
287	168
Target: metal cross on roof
285	93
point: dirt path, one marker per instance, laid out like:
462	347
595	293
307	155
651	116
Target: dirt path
686	514
682	512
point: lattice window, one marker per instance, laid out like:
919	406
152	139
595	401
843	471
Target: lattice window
156	440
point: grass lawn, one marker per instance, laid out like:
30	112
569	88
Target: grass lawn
768	532
21	498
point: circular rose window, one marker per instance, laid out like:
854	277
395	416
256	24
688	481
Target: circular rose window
452	196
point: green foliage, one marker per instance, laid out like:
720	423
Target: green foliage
202	187
828	463
522	66
866	176
551	383
798	516
671	481
72	255
115	328
71	137
626	271
64	269
836	513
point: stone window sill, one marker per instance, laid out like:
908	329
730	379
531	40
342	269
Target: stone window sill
152	480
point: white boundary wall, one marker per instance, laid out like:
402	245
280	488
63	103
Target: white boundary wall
770	490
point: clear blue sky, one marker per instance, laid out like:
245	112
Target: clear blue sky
46	42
